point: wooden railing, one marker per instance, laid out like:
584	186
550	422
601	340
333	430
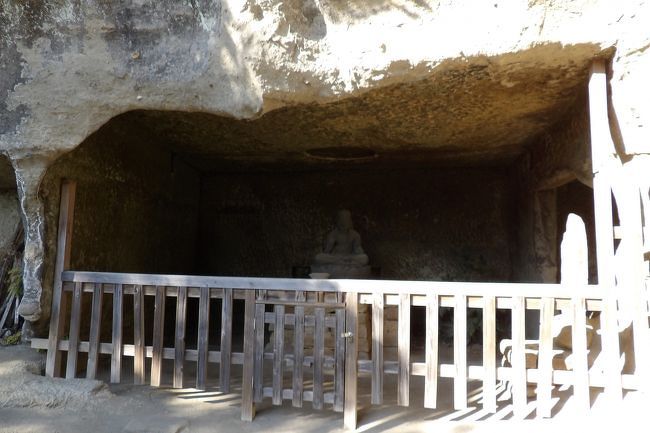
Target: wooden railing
295	305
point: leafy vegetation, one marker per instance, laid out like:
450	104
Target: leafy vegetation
11	339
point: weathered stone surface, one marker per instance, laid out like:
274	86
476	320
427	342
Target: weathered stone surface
24	386
157	424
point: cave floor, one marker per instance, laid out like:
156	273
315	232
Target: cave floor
75	406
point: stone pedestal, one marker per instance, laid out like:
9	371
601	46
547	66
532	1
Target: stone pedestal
344	271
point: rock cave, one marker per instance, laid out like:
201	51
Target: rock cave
214	141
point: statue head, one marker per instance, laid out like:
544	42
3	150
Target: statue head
344	220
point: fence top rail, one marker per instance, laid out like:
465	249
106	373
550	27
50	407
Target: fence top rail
528	290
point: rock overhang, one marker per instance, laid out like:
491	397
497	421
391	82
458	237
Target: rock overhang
470	111
243	59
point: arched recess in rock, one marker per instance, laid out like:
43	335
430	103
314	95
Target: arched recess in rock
196	193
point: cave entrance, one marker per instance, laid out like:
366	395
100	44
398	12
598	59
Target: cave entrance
146	205
180	193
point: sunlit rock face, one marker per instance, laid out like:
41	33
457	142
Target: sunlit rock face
68	67
270	82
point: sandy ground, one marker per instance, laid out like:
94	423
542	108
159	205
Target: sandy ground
32	403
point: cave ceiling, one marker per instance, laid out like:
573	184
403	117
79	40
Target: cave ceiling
465	113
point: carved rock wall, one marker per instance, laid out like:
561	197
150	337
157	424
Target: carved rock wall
424	224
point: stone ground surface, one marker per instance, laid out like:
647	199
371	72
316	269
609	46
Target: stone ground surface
33	403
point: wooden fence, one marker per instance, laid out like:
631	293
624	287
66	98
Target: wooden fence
293	307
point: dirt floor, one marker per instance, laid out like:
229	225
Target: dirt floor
30	402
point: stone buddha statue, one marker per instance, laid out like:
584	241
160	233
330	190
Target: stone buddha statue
342	244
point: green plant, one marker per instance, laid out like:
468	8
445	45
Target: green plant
15	280
11	340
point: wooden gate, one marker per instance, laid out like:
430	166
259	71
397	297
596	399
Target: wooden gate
300	320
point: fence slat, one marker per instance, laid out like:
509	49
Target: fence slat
203	335
377	378
248	406
226	341
460	352
579	351
95	328
179	337
404	349
545	359
158	335
138	335
73	344
611	350
518	357
116	356
339	361
319	355
278	354
298	355
431	352
62	263
602	150
258	382
351	355
489	354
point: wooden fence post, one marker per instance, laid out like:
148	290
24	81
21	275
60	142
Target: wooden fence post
603	157
351	354
226	341
518	358
158	335
545	359
489	354
62	263
95	329
73	337
138	335
460	352
179	336
247	404
431	352
377	375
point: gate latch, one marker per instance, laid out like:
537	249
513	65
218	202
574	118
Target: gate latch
347	334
